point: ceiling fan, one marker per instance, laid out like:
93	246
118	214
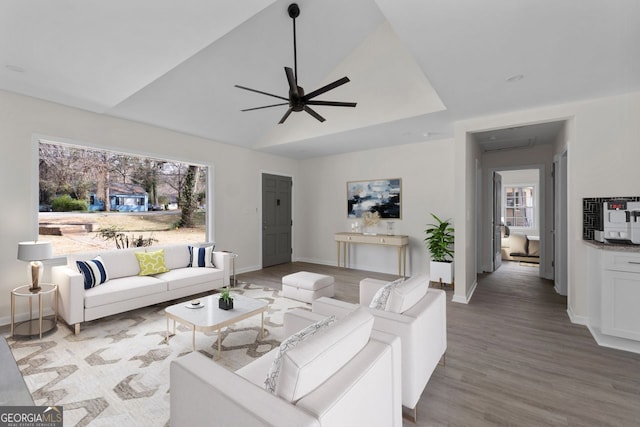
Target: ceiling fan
298	100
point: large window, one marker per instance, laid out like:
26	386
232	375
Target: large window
519	206
95	199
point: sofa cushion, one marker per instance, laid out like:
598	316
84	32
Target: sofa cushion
122	289
185	277
316	359
289	343
121	262
93	271
381	297
151	262
175	256
201	257
408	293
518	244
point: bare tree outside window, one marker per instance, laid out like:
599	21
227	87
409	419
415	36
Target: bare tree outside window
93	199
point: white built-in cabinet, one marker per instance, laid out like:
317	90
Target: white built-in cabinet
621	295
614	296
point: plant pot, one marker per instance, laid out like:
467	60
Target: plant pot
441	271
225	304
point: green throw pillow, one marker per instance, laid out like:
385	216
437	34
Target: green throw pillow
151	262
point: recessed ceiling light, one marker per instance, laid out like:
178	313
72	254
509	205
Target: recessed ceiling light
515	78
15	68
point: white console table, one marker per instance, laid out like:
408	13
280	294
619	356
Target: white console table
344	239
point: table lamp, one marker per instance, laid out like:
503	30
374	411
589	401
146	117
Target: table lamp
34	252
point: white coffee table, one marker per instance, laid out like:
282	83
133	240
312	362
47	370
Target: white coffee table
210	318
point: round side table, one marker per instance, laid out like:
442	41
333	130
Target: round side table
41	324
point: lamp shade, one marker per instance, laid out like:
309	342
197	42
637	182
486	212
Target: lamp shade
34	251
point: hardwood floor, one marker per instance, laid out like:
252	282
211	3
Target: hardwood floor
513	356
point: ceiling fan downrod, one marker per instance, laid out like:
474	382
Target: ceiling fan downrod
294	12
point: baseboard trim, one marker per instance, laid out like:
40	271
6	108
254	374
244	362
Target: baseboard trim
21	317
248	269
317	261
578	320
614	342
465	299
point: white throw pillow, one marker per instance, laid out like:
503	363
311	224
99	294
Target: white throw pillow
407	294
314	361
380	299
274	371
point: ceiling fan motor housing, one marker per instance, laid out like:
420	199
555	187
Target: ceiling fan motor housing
294	10
296	101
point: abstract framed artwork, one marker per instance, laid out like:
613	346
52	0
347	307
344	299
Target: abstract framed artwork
378	195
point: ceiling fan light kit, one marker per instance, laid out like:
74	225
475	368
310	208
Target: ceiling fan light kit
297	99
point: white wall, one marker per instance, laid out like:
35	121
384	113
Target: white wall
602	141
427	186
237	174
467	159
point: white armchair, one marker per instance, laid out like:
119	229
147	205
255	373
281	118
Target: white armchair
204	393
422	330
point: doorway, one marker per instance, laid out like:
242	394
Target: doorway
519	213
530	146
276	219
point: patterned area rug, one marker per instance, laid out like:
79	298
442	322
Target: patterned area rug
116	371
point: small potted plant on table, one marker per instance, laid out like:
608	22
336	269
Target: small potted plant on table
226	300
440	244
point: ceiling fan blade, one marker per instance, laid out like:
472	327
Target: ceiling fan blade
285	116
314	114
266	106
293	85
326	88
332	103
264	93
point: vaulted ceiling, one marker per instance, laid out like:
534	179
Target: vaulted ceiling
416	66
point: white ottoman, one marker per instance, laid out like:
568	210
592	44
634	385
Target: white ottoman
305	286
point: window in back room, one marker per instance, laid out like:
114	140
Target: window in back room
91	199
519	206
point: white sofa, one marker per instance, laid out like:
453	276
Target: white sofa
126	290
422	329
361	390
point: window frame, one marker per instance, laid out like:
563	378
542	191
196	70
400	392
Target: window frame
36	139
535	207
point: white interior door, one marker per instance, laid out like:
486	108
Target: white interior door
497	221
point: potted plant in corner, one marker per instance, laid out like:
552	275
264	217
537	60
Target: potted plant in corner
439	242
226	301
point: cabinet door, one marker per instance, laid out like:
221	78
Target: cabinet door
621	304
